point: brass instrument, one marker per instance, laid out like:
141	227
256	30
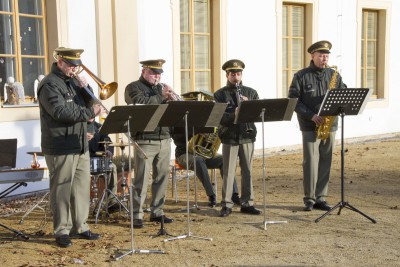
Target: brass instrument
239	98
178	97
106	91
323	130
205	145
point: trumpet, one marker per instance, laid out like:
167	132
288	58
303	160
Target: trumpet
173	96
239	98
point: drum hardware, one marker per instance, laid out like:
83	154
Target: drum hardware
105	170
122	146
105	142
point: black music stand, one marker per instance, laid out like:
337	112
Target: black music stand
262	110
128	119
350	101
191	114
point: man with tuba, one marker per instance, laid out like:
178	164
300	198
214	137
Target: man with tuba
202	166
156	145
237	139
310	85
64	113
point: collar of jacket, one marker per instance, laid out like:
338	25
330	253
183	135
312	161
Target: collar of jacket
315	68
58	72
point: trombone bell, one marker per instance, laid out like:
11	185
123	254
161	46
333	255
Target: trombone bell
108	90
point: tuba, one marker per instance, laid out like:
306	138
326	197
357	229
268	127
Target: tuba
324	129
205	145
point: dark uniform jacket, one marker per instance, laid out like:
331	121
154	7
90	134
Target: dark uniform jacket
64	112
94	145
141	92
310	85
228	132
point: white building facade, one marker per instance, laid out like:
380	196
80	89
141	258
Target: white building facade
196	38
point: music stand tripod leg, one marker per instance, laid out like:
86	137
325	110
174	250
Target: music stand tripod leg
16	232
189	234
133	250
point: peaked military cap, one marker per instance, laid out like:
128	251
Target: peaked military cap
153	64
320	46
233	65
70	55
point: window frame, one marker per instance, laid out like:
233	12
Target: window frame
18	56
192	70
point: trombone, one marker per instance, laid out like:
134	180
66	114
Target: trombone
106	90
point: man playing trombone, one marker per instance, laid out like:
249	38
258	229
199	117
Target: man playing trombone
65	110
237	139
155	145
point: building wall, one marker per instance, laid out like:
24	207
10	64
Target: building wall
117	34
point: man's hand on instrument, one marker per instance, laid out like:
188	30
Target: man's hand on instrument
98	109
317	119
168	93
82	81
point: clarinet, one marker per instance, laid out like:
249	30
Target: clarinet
239	98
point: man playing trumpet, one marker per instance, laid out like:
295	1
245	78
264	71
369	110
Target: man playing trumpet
156	145
64	113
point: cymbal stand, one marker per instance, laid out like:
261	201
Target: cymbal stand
188	234
123	182
133	250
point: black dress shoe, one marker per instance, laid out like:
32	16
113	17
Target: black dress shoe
309	206
88	235
212	202
250	210
63	241
322	206
236	199
137	223
225	211
159	218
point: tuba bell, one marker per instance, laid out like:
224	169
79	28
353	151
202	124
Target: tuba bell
205	145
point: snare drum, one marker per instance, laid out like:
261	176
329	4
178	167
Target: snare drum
100	165
96	165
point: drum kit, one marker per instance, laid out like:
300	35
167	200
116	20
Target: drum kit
101	166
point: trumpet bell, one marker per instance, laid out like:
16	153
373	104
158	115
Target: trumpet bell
108	90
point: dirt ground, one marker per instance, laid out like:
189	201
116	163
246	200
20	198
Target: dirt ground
371	185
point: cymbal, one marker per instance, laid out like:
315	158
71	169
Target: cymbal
119	144
105	142
100	153
38	153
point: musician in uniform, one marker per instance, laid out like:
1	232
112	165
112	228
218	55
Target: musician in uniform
237	139
310	85
155	145
202	166
64	112
97	145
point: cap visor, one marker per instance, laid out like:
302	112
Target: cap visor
74	62
159	71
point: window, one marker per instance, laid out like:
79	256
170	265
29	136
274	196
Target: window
369	44
22	47
195	45
293	39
